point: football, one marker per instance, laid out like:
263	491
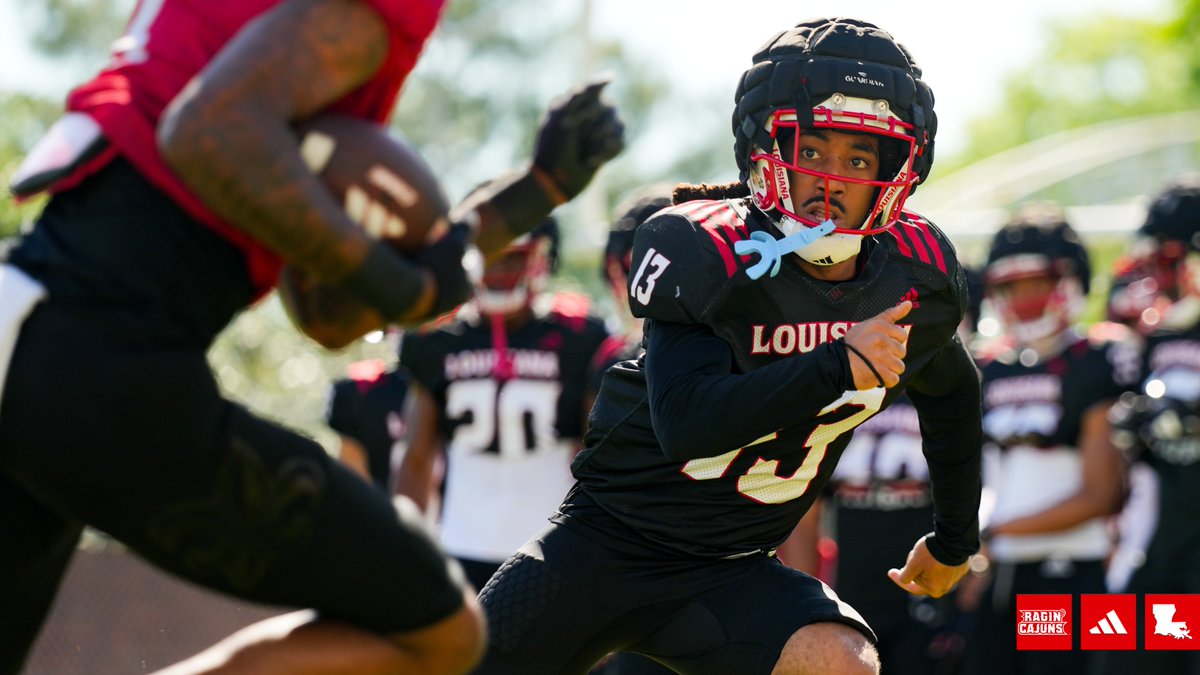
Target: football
384	185
388	189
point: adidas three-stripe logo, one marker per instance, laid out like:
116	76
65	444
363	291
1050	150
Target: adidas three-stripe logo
1109	625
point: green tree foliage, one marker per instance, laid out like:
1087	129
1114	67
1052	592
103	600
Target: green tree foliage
1094	69
75	29
25	117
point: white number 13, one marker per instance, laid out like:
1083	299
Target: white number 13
652	259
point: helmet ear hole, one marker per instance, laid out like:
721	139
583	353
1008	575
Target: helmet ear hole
891	158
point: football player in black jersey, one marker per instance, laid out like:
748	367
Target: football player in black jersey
702	456
498	392
1046	395
1160	425
366	409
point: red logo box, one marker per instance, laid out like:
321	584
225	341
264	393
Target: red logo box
1043	622
1108	622
1171	620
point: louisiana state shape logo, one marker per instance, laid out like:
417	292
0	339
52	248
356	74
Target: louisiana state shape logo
1171	621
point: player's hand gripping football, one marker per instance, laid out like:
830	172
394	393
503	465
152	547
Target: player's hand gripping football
876	348
924	575
578	134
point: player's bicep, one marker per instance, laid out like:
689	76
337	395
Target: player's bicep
297	58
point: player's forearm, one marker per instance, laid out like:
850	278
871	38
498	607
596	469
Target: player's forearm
244	166
952	433
506	208
1076	509
699	408
415	481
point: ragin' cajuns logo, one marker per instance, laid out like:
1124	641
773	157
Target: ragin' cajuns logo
798	338
1042	622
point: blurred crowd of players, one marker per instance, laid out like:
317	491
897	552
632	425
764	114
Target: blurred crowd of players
1092	433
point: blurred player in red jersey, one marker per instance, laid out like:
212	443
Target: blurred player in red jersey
178	192
499	393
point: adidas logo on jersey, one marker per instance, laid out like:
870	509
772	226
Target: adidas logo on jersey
911	296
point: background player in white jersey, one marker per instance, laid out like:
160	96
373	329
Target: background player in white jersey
500	390
1046	394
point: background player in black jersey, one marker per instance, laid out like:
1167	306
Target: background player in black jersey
702	456
1046	395
498	392
1160	425
626	343
366	409
179	218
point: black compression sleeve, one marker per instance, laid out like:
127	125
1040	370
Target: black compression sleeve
521	200
947	398
700	408
386	281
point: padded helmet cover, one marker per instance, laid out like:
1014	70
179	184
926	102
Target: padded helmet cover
801	67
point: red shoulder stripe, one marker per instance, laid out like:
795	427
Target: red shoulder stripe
918	245
905	250
719	220
922	226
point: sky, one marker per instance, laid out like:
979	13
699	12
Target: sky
965	47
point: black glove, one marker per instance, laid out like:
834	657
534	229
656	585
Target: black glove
578	134
453	269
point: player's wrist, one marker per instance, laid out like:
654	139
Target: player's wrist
843	373
389	283
947	553
522	201
546	181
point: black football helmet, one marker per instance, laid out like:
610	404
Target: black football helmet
843	75
1136	296
634	210
1169	234
1038	242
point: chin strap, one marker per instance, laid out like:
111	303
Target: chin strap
771	250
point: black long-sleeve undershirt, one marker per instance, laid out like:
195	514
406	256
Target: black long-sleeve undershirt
700	408
947	397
